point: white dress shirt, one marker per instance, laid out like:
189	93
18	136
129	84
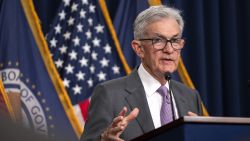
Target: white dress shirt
154	99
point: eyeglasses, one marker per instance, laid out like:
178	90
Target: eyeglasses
160	43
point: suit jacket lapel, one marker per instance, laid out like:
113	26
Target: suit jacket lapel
180	100
137	98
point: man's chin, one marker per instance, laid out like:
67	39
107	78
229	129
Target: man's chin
170	70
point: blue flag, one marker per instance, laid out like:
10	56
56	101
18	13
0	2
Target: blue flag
27	68
83	50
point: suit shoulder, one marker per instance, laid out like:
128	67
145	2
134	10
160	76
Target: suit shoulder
181	86
117	83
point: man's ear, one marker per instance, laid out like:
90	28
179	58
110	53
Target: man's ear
138	49
182	42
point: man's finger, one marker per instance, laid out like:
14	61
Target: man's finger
123	111
132	115
116	130
114	138
191	114
108	136
117	120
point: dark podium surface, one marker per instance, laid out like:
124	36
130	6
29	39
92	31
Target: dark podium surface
201	129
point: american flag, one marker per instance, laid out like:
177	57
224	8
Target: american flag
83	51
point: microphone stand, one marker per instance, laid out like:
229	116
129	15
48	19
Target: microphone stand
168	78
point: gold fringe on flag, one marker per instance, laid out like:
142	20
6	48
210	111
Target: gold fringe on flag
7	101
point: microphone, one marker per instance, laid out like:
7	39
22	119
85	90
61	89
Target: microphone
167	76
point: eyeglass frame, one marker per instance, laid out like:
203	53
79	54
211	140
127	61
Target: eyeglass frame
171	41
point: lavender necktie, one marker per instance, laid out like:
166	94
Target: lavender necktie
166	110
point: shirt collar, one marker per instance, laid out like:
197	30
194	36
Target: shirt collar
149	83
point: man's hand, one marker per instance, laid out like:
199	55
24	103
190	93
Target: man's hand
191	114
118	125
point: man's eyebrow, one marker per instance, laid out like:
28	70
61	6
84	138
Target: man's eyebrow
162	36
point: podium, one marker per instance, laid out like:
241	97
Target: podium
201	129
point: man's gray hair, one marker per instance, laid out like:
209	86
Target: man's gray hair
155	13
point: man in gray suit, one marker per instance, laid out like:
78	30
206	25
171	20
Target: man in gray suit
125	108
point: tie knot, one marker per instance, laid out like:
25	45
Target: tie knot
163	90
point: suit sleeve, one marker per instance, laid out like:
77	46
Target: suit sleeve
100	111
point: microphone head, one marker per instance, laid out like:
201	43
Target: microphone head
167	76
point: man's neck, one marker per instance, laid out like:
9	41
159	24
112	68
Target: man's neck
159	77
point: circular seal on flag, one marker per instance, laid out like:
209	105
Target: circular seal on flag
33	115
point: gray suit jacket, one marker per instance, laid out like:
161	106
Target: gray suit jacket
110	97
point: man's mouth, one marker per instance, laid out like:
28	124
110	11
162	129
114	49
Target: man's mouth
167	60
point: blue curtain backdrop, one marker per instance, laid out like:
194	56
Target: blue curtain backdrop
217	50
